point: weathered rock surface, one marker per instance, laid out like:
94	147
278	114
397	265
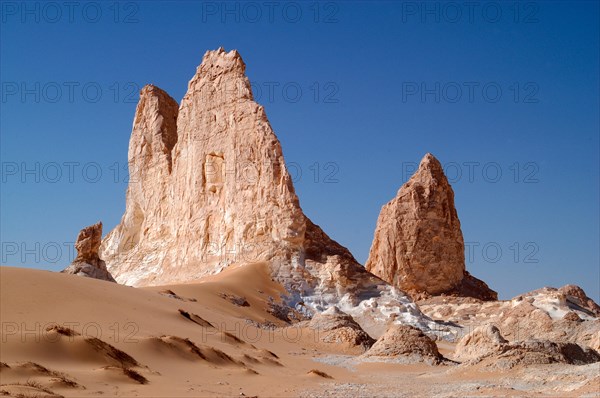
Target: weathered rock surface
333	326
210	188
149	195
576	298
88	262
487	346
418	244
479	342
543	314
407	344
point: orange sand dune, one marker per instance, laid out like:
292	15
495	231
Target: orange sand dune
175	354
65	335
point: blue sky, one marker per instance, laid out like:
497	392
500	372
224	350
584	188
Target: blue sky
506	96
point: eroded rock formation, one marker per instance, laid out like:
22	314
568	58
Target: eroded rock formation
405	344
336	327
575	297
88	262
486	346
418	244
542	314
210	188
149	194
481	341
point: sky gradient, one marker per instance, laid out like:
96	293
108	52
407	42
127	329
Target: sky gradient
506	97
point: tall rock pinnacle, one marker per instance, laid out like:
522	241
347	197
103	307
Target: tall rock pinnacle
418	244
213	190
208	189
152	140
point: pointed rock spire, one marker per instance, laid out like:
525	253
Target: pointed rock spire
154	128
150	161
214	191
418	244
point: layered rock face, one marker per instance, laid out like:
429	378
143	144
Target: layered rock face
418	244
210	188
88	262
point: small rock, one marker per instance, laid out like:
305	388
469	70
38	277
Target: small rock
88	262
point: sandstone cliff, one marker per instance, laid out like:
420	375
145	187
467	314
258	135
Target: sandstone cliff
418	244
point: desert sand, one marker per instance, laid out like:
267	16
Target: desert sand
204	339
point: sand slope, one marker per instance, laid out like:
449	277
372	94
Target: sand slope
109	329
64	335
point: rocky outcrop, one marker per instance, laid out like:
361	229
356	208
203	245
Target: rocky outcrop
88	262
149	196
211	189
470	286
405	344
479	342
576	298
486	346
333	326
543	314
418	244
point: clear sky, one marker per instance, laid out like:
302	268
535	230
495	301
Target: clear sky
504	94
